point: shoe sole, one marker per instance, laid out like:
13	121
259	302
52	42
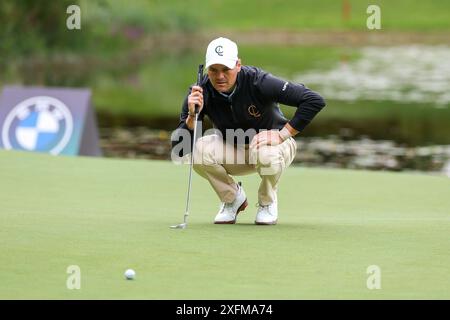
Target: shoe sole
241	208
266	223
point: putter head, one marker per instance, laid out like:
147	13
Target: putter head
179	226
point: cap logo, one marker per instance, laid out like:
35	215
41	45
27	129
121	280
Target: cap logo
219	50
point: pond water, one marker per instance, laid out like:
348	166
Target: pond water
409	73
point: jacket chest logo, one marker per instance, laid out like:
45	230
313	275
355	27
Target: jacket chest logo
253	111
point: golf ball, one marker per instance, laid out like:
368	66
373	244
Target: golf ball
130	274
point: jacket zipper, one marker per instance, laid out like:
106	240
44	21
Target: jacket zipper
232	114
230	100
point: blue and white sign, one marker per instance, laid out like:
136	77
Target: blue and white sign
40	123
51	120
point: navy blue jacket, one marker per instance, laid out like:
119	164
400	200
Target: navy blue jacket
254	103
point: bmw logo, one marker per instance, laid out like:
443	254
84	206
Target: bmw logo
41	123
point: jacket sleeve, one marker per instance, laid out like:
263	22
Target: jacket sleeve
308	102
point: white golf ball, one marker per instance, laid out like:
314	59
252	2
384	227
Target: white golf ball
130	274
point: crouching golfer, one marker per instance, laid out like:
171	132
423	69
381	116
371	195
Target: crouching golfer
251	133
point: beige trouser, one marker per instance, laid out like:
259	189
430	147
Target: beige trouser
217	161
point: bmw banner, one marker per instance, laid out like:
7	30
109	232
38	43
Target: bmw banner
52	120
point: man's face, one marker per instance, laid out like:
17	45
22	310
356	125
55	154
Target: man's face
223	78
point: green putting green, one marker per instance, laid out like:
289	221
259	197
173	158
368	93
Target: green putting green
106	216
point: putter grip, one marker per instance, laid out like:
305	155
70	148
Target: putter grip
199	80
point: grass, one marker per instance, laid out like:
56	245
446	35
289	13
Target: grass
109	215
411	15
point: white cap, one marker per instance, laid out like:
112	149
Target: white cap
222	51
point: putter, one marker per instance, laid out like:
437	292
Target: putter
186	213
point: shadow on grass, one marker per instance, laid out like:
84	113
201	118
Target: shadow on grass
251	225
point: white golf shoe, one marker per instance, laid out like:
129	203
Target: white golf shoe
229	211
267	215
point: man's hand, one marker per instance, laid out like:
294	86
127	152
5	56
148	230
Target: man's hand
272	137
195	98
266	138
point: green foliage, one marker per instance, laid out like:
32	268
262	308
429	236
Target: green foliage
36	46
29	27
149	16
